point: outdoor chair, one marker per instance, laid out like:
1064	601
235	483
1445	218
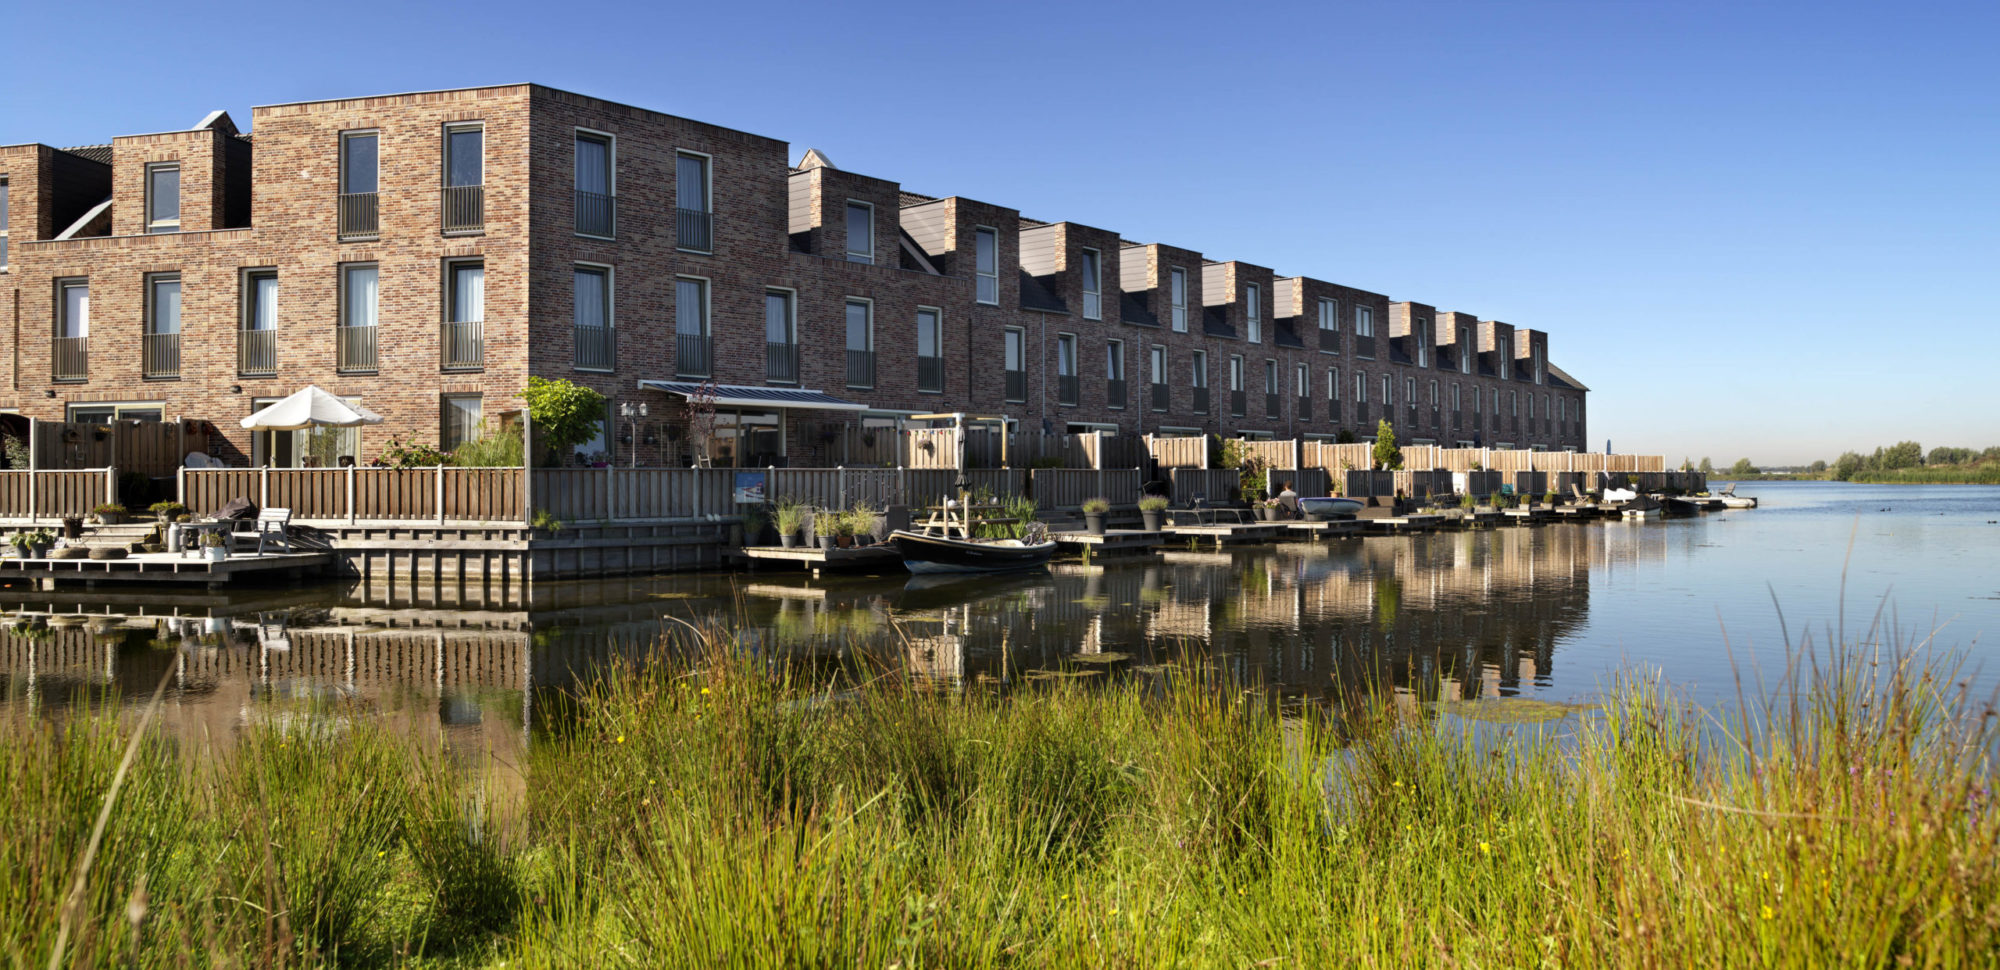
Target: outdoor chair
273	526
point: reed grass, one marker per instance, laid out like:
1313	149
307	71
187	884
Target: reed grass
708	808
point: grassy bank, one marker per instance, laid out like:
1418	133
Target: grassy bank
1987	473
719	815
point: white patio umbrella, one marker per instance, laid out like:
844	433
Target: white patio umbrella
309	407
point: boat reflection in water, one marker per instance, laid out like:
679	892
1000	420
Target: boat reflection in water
1451	615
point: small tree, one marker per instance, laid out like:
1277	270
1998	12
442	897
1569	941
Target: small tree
1387	455
1742	467
1707	467
562	414
701	422
1817	468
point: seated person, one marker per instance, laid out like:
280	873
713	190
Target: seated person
1288	501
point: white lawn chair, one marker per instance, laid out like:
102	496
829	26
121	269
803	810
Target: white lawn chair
272	527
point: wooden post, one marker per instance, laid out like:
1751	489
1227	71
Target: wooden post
352	517
527	470
610	510
111	484
438	494
263	488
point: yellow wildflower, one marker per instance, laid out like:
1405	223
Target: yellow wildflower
1769	913
704	691
1485	849
621	739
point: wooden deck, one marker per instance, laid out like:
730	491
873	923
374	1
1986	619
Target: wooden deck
1227	532
1397	524
818	560
1114	542
163	567
1327	529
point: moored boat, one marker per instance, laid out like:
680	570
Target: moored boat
1642	507
1327	507
945	554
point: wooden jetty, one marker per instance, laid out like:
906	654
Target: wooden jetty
1114	542
1225	533
1398	524
164	567
1325	528
818	561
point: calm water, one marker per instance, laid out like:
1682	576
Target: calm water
1552	612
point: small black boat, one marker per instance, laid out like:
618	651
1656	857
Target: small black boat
1679	507
945	554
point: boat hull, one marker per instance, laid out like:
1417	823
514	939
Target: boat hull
1318	507
924	554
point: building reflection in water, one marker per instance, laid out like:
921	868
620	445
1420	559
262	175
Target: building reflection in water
1472	614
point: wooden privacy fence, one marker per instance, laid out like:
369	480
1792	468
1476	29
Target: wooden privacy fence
880	487
1179	452
579	495
434	494
54	493
1330	456
1212	484
1066	488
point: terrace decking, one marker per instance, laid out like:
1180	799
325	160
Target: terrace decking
1326	529
818	561
1114	542
1224	533
162	567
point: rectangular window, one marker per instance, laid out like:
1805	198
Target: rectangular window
1114	373
1179	295
930	350
1302	379
1329	315
691	335
1410	390
1514	403
360	296
1201	369
1455	401
464	336
1421	334
461	416
163	197
1506	368
1464	350
1235	372
591	317
1016	359
1253	313
1360	387
1156	369
360	166
694	217
1333	383
1364	321
1093	292
1388	391
860	232
464	177
781	350
596	185
1066	374
257	343
1538	365
1270	377
860	343
160	352
986	264
1434	394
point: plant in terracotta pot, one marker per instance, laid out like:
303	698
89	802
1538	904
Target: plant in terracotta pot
843	529
826	526
1151	509
110	513
1093	514
791	517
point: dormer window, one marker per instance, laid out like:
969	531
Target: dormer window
1093	288
860	232
1179	297
163	197
986	264
1422	334
1464	350
1253	313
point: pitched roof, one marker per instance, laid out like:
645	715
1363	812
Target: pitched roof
1131	309
907	198
1215	323
1558	374
1036	296
1285	334
101	154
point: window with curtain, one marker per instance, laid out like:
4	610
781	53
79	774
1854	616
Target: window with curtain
1200	368
164	305
360	293
468	292
262	303
593	298
461	420
777	317
1114	360
593	164
930	334
860	335
691	182
76	309
691	307
1066	355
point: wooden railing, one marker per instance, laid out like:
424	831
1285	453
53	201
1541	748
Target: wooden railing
363	494
53	494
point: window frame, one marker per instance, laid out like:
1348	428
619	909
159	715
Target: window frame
1177	298
610	274
344	298
342	177
6	223
981	275
1114	359
1253	308
707	196
1066	339
151	301
867	255
1014	340
610	140
154	224
247	278
1238	378
1361	387
1156	363
846	338
937	322
451	297
1388	390
1302	379
1329	314
1465	350
1421	331
1092	270
444	405
1364	321
445	154
1333	384
1199	369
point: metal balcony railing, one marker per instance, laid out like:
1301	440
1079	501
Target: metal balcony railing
355	349
596	214
464	208
693	354
1305	408
1017	385
1114	392
1271	406
694	229
1329	341
359	218
1333	411
256	352
781	362
1162	397
1237	401
464	345
1201	400
930	373
1066	389
860	368
160	355
595	348
69	358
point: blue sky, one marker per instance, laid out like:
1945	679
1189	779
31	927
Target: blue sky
1753	229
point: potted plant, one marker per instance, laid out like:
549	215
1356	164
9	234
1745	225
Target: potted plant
32	543
167	511
1151	509
825	526
110	513
862	521
213	547
791	517
1267	509
72	526
843	529
753	527
1093	514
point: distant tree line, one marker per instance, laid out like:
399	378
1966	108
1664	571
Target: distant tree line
1904	461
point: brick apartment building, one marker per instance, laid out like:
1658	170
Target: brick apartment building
426	253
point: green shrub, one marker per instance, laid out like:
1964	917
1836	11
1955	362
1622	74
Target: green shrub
1095	506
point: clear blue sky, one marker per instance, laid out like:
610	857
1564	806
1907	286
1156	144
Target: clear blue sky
1762	229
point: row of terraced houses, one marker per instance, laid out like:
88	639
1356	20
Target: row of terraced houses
425	254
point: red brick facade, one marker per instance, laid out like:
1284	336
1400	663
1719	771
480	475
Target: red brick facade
270	202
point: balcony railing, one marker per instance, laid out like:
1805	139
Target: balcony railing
1201	400
160	355
691	354
256	352
860	368
1305	408
1017	385
930	374
1114	392
1066	389
359	218
1238	400
464	345
781	362
69	358
1333	411
464	208
595	347
355	348
1329	341
596	214
1271	406
1364	347
1161	397
694	229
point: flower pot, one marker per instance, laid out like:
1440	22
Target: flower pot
39	550
789	540
1267	513
110	518
845	542
1093	524
215	553
174	537
1152	520
72	528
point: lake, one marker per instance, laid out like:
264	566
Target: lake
1553	612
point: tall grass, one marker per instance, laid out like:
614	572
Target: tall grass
1983	473
715	811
